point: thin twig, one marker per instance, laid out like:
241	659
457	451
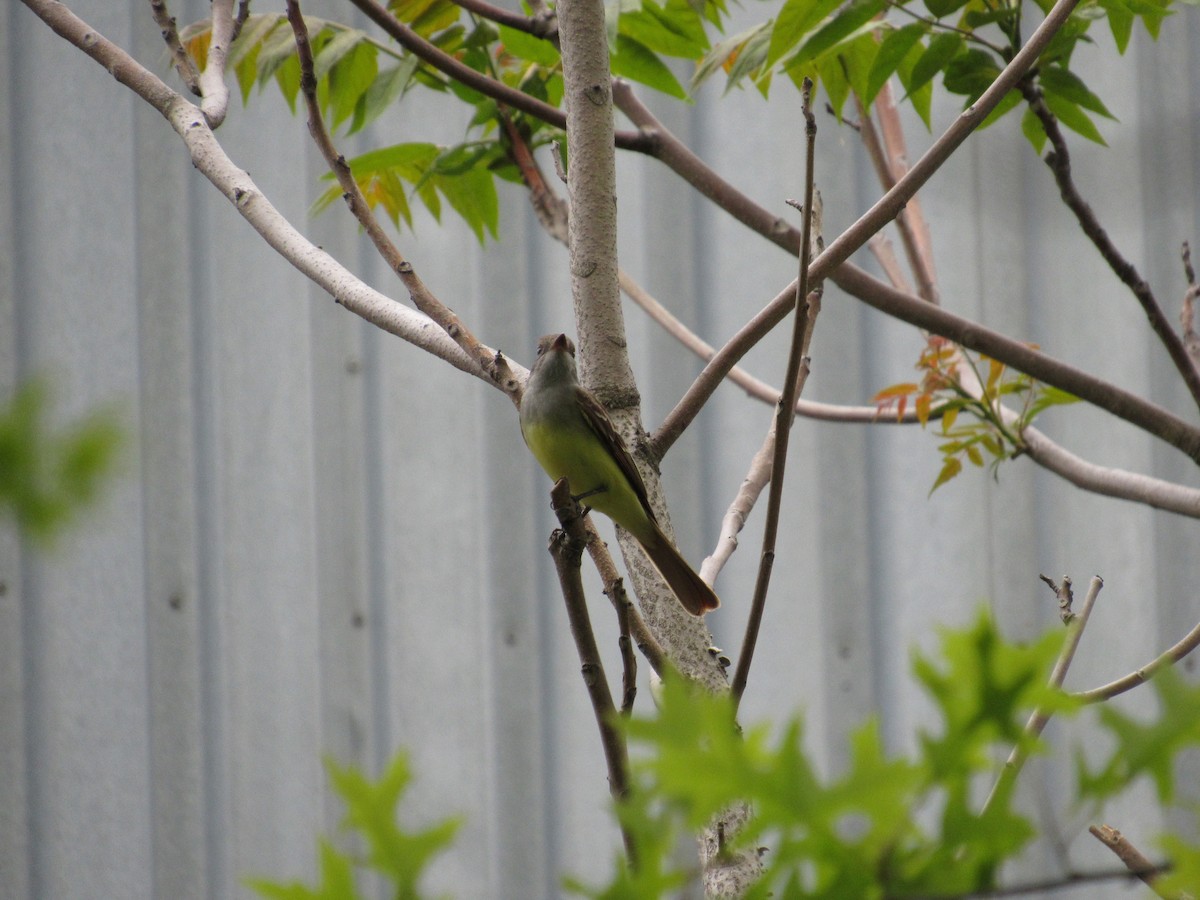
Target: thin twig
884	171
179	57
832	262
464	74
1040	716
1059	161
566	547
921	253
628	660
797	368
1135	861
614	589
1140	676
1187	312
243	14
492	364
231	180
214	92
539	26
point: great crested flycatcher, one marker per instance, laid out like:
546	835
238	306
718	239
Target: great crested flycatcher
572	436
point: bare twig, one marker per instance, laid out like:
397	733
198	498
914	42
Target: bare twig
757	477
179	58
614	589
211	160
214	92
243	14
1140	676
1041	717
888	169
1187	313
832	262
797	370
537	25
1059	161
492	364
1133	858
566	547
464	74
628	661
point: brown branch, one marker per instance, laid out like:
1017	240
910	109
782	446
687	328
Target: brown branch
793	382
1187	312
1040	717
1140	676
628	661
243	14
464	74
832	262
170	35
1135	861
566	547
1059	161
614	589
542	26
889	169
490	363
211	160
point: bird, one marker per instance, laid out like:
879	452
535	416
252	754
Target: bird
571	436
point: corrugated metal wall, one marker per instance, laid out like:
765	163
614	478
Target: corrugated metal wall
324	542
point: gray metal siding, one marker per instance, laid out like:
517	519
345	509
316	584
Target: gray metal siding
324	542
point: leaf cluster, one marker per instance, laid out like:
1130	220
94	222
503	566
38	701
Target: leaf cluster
49	474
399	855
849	47
886	825
985	432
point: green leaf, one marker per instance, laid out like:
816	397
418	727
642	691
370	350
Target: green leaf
332	51
942	48
1007	103
892	51
349	79
1066	84
526	46
726	53
920	96
384	91
1120	22
796	19
842	27
971	73
1035	133
634	61
1148	749
950	469
940	9
49	475
1073	117
676	31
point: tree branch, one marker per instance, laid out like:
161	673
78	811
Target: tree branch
566	547
542	26
1140	676
464	74
1038	720
210	159
1135	861
179	58
214	92
491	364
1059	161
793	382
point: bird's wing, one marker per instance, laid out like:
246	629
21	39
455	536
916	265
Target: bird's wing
597	419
